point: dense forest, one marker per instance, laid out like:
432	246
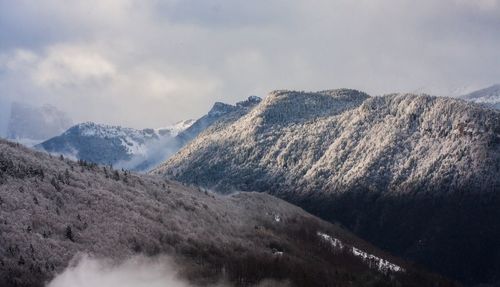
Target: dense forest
53	209
413	174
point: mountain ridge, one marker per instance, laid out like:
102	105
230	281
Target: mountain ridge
377	161
220	112
489	96
134	149
381	111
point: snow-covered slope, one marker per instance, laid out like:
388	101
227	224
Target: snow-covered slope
54	209
30	125
139	150
341	139
122	147
489	96
335	152
176	128
220	114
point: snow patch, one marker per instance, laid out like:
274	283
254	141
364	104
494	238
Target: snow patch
277	218
372	260
333	241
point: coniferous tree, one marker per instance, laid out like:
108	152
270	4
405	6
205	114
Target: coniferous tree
69	233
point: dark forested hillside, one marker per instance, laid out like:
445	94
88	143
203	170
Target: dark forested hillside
52	208
414	174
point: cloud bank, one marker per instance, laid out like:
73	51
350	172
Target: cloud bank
138	271
151	63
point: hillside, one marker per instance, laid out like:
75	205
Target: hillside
53	209
415	174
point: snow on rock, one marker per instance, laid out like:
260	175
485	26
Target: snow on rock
333	241
372	260
277	218
278	253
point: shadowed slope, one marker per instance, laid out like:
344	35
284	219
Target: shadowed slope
416	174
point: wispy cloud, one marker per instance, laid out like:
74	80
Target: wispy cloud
155	62
137	271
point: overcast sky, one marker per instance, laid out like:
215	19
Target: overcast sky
145	63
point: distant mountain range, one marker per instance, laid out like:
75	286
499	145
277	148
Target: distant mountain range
133	149
29	125
113	145
54	209
489	96
414	174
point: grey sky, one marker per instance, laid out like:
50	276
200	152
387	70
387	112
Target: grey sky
149	63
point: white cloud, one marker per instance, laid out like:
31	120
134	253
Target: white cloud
135	272
481	4
157	62
71	65
18	60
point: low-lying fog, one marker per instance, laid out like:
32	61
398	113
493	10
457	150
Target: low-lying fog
138	271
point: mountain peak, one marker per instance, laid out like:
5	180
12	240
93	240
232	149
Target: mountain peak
220	108
176	128
249	102
285	106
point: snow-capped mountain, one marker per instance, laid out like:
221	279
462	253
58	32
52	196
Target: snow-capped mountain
114	145
342	138
30	125
416	174
489	96
139	150
176	128
54	210
220	113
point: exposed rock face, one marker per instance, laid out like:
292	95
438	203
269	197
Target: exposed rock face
413	173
